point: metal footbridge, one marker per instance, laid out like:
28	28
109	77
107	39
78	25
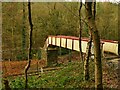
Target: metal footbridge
71	42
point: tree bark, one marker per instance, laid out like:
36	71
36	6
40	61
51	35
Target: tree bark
6	83
96	42
23	33
80	32
119	31
89	45
30	45
94	9
119	44
87	57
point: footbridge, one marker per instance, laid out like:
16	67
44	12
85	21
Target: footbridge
72	43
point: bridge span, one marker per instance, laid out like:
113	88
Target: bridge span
71	42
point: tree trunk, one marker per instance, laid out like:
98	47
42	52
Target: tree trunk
87	57
80	32
30	45
119	31
89	45
6	84
96	42
94	9
23	33
12	44
119	43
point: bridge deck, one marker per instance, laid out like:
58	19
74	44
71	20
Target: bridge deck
72	43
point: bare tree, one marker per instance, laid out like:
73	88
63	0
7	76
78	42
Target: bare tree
119	45
87	57
30	44
119	32
23	33
80	32
96	42
94	9
88	49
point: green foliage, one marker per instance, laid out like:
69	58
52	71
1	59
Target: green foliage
22	56
107	20
36	53
19	57
51	19
62	51
70	76
17	83
85	32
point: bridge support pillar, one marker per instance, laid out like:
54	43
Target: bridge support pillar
44	55
52	56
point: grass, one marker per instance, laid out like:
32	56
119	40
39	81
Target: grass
70	76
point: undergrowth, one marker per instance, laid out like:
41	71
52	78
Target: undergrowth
70	76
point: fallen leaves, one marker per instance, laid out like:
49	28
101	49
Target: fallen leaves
17	67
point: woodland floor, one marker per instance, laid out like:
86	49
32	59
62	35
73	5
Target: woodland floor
110	73
10	68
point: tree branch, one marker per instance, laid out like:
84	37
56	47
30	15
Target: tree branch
75	14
